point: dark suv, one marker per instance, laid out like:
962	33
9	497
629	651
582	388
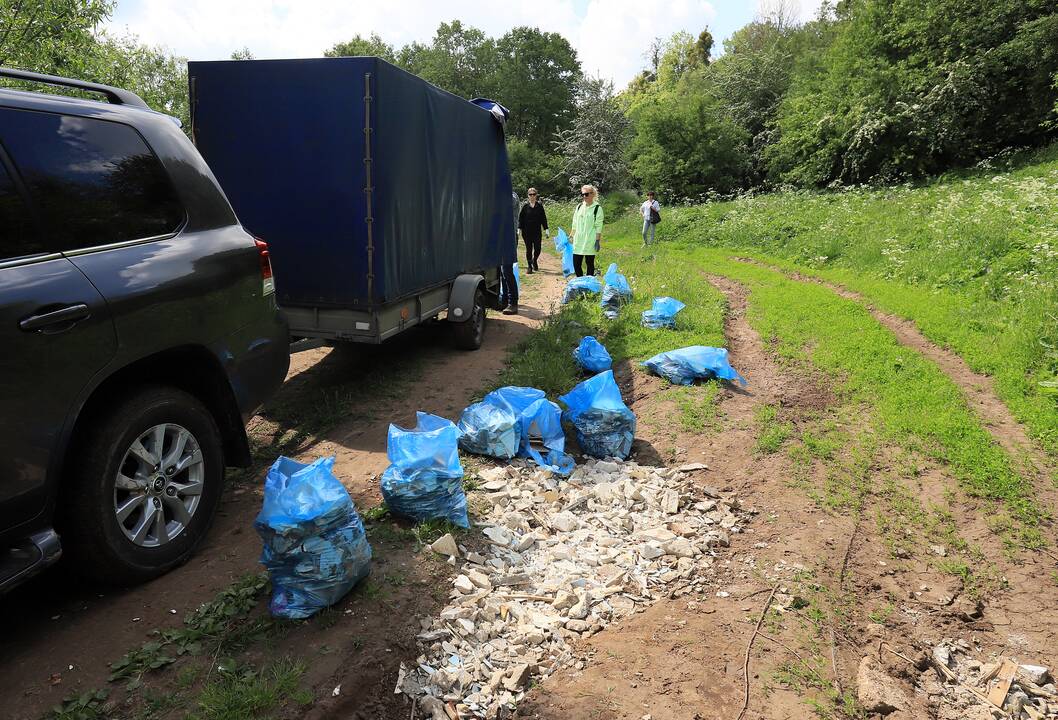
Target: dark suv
138	331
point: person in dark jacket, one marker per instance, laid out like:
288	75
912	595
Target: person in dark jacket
531	220
508	282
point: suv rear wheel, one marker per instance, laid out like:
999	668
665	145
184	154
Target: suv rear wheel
147	483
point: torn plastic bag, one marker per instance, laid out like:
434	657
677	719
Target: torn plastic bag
591	355
684	366
604	424
662	313
424	479
488	429
615	293
539	422
315	548
579	286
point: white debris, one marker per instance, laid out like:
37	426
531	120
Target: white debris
445	545
565	558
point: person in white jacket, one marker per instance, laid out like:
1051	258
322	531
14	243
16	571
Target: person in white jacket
648	222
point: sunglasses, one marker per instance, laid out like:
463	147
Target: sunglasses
532	194
586	194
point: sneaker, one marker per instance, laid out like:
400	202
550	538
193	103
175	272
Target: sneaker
530	270
510	310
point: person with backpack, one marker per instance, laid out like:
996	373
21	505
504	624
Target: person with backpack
586	231
651	211
531	220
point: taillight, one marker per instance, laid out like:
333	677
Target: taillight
268	284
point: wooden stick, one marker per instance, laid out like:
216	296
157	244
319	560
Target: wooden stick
749	648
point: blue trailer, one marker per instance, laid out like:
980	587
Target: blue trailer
385	201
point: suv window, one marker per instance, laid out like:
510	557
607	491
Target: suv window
94	182
17	235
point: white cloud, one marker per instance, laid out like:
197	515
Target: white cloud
610	36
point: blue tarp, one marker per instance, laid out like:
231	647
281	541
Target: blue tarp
579	286
662	313
539	420
698	362
591	355
295	174
315	548
424	479
604	424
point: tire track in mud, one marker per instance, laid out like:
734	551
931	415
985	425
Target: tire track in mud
978	389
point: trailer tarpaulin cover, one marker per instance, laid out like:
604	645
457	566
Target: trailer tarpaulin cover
287	141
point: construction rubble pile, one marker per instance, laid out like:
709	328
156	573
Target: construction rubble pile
564	558
969	688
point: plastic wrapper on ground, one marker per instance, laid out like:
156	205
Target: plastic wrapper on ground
487	429
315	548
662	313
698	362
424	480
579	287
605	426
540	434
591	355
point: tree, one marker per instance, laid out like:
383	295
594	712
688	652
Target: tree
153	74
593	148
50	36
460	59
704	46
244	54
373	46
536	76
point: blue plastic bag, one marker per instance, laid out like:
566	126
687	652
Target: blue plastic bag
616	292
315	548
604	424
578	286
684	366
561	240
539	421
488	429
424	479
591	355
567	260
662	313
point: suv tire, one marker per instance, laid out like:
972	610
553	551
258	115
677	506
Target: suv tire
114	532
470	333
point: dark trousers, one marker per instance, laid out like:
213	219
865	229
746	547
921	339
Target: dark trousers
508	286
577	259
532	251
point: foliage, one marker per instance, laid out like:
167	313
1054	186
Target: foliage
62	37
535	167
592	150
906	90
459	59
89	705
373	46
242	692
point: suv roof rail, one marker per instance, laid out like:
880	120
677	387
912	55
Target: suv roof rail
115	95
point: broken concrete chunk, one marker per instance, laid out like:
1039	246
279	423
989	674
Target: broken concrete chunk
499	536
876	691
462	584
670	502
1035	674
691	467
517	677
445	545
564	522
649	551
479	579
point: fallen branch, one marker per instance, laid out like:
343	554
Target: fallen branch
749	649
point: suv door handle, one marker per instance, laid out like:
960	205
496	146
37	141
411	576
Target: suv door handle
70	314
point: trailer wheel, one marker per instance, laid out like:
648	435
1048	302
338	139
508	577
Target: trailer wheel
470	333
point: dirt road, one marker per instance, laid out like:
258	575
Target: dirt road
60	634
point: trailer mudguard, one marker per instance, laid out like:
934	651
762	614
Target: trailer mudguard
461	298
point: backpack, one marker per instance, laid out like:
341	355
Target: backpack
655	216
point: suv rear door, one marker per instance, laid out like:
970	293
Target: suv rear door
55	334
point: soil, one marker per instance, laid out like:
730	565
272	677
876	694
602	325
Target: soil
60	634
683	658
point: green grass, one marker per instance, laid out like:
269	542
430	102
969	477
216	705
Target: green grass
244	693
698	407
771	431
972	259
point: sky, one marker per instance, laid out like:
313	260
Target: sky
611	37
